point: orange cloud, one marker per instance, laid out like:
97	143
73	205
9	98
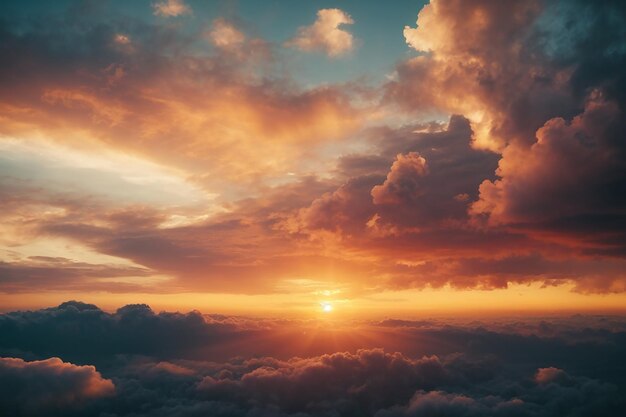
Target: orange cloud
478	62
211	112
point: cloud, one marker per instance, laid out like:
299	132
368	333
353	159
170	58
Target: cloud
568	184
82	112
225	35
46	386
489	61
218	105
437	403
403	180
539	367
40	272
171	8
369	379
132	329
325	34
414	191
547	375
205	207
529	82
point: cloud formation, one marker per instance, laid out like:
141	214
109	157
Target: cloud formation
171	8
193	158
326	34
49	386
402	182
132	329
531	367
569	182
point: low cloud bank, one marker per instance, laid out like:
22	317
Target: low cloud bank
561	366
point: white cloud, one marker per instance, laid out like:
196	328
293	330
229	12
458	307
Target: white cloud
325	34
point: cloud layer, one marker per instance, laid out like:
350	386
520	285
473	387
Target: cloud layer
510	367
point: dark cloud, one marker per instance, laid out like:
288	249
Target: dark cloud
82	331
570	183
49	386
540	367
541	85
428	172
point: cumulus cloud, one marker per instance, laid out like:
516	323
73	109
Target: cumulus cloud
478	56
569	182
520	83
171	8
414	191
47	386
403	181
326	34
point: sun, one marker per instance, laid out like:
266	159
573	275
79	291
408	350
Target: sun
327	307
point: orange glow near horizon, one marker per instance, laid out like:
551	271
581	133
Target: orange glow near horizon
530	299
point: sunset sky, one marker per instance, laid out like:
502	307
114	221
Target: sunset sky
312	208
267	157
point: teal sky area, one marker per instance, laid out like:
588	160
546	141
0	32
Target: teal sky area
377	29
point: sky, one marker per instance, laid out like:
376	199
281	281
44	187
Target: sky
312	208
270	157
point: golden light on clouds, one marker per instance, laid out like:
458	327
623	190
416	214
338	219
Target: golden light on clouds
247	208
204	158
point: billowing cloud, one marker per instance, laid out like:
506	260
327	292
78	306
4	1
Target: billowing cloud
171	8
49	386
413	191
531	367
326	34
568	183
402	182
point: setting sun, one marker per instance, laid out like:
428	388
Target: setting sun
327	307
